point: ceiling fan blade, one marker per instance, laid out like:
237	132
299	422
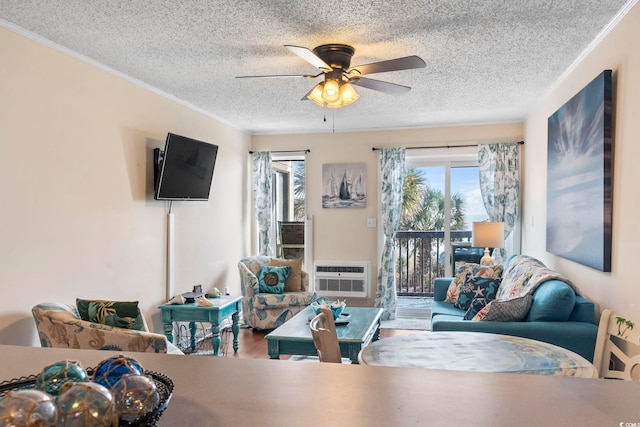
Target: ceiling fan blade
279	76
309	56
405	63
380	86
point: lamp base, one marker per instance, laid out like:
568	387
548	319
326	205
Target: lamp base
486	259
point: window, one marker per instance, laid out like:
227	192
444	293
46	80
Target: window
289	206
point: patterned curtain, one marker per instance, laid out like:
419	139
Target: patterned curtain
499	184
262	199
391	172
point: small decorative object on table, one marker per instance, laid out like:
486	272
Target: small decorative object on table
128	396
336	306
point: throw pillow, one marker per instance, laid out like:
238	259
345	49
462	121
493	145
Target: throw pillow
477	287
271	279
553	301
476	305
513	310
120	314
477	270
294	280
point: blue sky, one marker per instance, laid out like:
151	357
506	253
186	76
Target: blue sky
464	180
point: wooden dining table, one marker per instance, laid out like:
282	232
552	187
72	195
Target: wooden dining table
232	392
476	351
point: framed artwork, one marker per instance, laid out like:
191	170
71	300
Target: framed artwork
344	185
580	175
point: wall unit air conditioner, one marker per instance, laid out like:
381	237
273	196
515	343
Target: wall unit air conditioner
342	278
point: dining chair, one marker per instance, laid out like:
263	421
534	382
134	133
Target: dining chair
612	332
325	338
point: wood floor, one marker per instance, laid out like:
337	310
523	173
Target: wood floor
253	344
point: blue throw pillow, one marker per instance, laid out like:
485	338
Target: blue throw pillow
477	287
271	279
477	304
553	301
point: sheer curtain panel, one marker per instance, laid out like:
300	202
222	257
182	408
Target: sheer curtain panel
499	170
262	202
391	173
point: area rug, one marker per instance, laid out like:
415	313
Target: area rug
410	324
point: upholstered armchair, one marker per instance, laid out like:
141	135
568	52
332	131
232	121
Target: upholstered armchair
60	325
270	310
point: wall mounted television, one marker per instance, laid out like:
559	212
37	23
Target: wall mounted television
184	170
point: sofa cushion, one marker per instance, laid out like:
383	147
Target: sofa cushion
476	287
513	310
476	270
271	279
277	301
294	280
445	308
120	314
553	301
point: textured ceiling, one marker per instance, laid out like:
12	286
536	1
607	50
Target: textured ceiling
488	61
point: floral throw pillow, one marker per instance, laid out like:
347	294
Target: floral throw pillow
475	269
121	314
271	279
476	287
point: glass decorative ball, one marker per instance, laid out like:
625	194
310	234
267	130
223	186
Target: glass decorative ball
110	370
54	376
134	396
28	408
85	405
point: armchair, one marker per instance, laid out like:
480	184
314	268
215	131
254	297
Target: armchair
266	310
60	325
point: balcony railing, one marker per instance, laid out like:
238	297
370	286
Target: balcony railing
420	259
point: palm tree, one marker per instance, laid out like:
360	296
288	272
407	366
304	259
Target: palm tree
423	206
298	191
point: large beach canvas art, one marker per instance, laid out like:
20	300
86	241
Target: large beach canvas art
579	176
344	185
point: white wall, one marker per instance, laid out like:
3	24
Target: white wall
78	217
620	52
342	234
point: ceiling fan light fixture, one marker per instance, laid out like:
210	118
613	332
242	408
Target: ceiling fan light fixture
348	94
316	94
331	91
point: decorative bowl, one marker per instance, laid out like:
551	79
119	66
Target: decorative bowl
336	307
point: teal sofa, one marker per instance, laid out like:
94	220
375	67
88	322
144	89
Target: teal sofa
557	316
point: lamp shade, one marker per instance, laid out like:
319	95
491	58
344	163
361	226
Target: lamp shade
316	94
348	94
331	91
488	234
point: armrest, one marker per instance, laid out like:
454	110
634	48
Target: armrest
304	281
248	281
440	287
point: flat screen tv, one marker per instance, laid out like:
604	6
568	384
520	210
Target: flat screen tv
185	169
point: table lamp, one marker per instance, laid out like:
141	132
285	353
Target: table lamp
487	235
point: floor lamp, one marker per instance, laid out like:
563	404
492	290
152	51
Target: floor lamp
487	235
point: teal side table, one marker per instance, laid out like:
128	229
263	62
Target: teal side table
222	308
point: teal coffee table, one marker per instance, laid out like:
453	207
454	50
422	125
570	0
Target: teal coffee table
294	336
222	308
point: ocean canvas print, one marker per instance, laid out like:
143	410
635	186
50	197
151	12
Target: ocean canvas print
579	176
344	185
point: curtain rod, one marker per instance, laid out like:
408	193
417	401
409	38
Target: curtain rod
306	150
444	146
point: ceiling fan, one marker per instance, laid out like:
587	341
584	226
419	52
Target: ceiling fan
334	60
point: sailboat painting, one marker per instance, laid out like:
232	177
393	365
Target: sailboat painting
344	185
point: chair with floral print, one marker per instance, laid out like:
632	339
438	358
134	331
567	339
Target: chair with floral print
262	310
61	326
610	359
